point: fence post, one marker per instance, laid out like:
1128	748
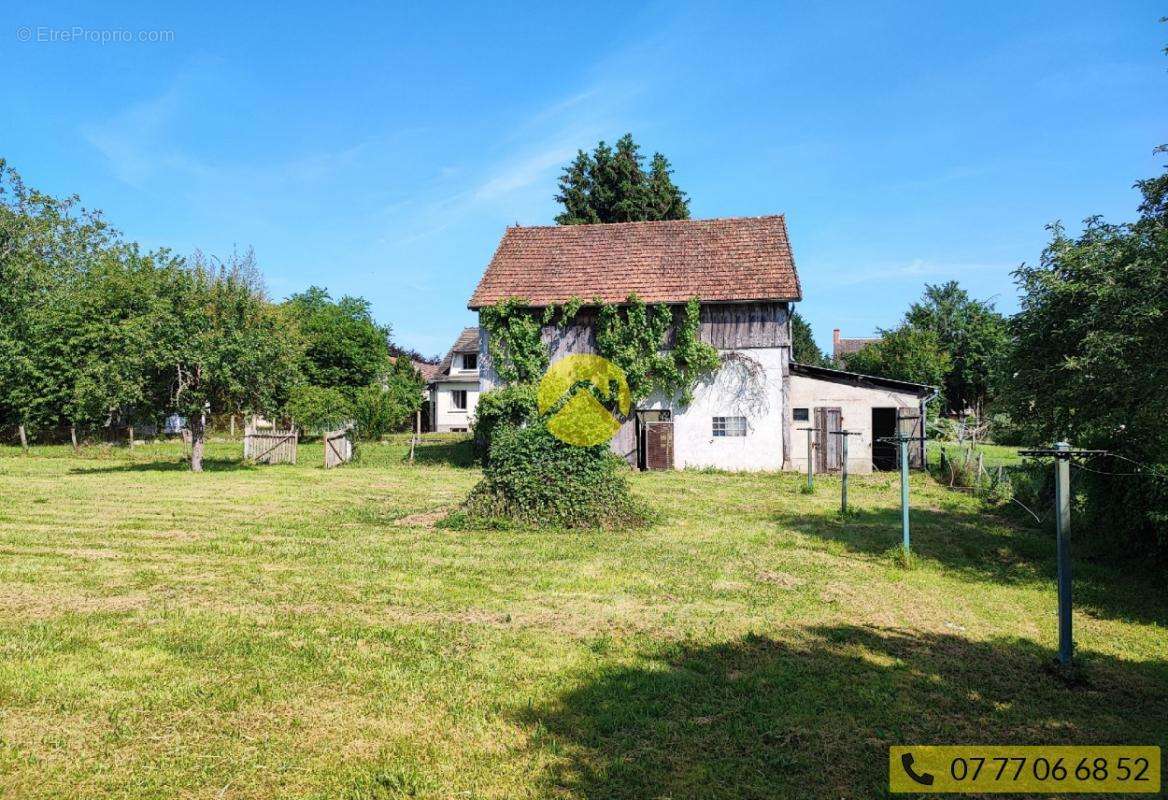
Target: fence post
417	433
903	441
810	459
1062	508
844	471
844	482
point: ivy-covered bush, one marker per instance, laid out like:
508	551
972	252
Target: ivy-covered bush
535	479
507	405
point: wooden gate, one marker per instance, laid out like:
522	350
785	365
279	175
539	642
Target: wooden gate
828	451
658	445
338	448
270	446
908	423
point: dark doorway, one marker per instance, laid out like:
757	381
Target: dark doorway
883	428
655	439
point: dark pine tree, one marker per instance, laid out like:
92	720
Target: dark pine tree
664	199
612	185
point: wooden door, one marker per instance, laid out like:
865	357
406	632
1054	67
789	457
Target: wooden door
829	450
909	423
658	445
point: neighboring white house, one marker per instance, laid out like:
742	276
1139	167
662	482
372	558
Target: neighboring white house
746	416
454	390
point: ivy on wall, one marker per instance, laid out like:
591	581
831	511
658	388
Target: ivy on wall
633	336
517	353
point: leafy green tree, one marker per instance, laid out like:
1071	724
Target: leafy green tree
804	350
975	337
345	348
108	326
403	388
226	348
379	409
317	409
1090	365
905	354
612	185
45	242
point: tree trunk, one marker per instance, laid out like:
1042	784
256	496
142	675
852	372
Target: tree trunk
23	438
131	431
232	426
73	437
197	433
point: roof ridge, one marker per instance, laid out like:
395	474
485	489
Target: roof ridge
718	259
517	226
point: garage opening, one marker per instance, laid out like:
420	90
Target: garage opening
883	427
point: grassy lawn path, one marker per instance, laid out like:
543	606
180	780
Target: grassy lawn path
259	632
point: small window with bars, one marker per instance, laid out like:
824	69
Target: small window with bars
729	426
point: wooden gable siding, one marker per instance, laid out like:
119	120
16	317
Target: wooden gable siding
726	326
738	326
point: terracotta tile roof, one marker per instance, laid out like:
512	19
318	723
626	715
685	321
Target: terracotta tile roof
428	371
467	342
842	347
853	345
741	258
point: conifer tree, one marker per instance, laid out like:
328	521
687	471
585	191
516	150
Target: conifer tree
612	185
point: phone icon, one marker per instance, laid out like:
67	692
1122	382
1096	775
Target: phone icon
924	779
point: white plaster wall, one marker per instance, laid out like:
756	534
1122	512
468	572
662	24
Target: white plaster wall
855	404
445	416
488	378
731	392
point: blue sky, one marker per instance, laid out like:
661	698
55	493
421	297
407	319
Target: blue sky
381	151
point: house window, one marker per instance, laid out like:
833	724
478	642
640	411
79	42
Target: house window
729	426
800	415
470	360
458	398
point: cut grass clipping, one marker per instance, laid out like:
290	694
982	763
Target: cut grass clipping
535	479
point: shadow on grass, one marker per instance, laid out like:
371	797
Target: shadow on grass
761	718
209	465
458	453
987	547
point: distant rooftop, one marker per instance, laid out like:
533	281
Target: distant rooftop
841	346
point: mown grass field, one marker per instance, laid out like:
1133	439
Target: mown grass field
257	632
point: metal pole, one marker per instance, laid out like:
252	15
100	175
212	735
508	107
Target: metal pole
844	481
1062	516
904	492
810	459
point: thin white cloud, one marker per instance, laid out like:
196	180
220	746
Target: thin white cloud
131	140
914	270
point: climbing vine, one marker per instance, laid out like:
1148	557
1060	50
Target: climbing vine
516	350
634	336
636	341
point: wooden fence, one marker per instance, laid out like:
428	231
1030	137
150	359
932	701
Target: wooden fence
338	448
270	446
